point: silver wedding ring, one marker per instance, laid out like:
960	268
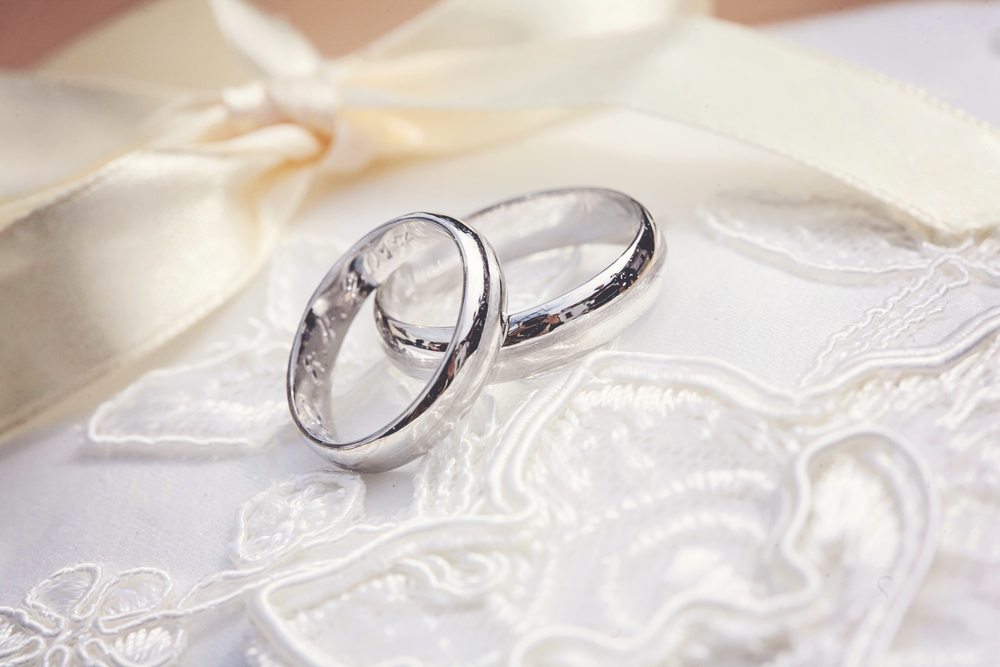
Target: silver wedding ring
549	335
399	259
464	367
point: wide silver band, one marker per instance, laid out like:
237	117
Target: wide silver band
463	366
557	331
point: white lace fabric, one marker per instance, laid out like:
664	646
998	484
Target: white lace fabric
791	460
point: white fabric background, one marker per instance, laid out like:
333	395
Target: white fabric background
67	500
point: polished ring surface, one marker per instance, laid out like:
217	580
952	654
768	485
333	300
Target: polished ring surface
464	366
551	334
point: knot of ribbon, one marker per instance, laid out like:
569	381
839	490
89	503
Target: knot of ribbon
305	103
310	102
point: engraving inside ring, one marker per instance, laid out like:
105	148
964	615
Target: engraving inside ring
366	392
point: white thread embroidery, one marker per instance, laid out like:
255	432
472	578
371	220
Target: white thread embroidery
78	615
632	509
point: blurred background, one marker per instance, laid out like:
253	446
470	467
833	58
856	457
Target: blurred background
33	33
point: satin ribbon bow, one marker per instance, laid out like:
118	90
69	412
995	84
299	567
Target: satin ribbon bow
152	224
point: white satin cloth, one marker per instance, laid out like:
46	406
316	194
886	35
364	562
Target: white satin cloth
790	460
126	251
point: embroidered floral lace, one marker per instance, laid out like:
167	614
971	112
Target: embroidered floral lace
630	509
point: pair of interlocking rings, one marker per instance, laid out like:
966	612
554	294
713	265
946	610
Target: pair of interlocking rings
486	344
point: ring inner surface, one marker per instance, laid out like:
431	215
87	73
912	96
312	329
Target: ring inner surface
334	307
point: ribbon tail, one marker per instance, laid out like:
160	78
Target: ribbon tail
887	139
51	130
126	260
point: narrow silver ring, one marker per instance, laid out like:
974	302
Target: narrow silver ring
551	334
464	366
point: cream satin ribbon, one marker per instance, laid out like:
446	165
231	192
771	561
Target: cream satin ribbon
126	251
